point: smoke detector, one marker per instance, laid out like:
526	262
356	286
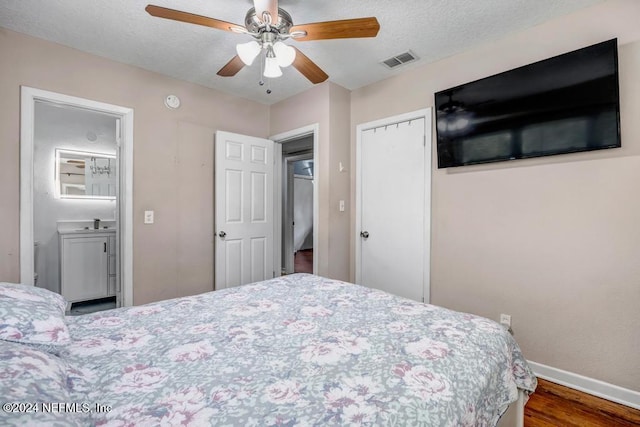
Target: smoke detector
172	102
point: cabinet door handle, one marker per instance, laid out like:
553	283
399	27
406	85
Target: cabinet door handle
105	247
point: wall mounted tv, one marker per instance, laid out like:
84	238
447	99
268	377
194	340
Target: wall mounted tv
564	104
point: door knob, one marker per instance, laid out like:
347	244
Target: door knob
222	234
364	234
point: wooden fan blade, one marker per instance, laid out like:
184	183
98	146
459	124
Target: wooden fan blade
177	15
344	29
308	68
232	67
270	6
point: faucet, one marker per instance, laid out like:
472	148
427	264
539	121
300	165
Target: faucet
96	223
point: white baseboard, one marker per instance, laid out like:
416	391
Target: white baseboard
588	385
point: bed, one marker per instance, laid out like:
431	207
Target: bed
295	350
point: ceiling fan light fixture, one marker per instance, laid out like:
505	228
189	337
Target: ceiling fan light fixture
248	51
268	25
285	55
271	68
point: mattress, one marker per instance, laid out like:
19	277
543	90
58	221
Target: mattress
294	350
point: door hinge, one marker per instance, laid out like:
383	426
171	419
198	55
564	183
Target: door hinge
424	140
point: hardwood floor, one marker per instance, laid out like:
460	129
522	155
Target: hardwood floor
303	261
553	405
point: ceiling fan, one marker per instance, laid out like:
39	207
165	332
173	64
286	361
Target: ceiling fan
269	25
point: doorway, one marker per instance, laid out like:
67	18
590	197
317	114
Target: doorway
76	163
249	196
393	202
74	215
298	147
297	206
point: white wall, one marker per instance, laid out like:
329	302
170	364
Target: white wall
66	128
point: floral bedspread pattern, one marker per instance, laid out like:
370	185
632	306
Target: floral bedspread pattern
296	350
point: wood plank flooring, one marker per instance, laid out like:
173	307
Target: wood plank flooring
303	261
553	405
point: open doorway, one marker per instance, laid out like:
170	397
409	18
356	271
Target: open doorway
76	161
75	205
297	198
297	218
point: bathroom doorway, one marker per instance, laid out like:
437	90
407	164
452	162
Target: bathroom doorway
75	232
75	158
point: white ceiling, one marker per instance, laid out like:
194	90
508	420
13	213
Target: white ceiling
121	30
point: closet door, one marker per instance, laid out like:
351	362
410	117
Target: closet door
393	196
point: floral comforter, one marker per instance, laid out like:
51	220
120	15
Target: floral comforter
296	350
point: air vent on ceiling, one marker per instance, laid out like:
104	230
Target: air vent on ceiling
400	59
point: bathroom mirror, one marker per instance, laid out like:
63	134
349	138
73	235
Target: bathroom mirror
85	175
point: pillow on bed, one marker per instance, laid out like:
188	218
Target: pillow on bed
31	377
32	315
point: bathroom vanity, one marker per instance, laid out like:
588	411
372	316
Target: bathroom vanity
87	263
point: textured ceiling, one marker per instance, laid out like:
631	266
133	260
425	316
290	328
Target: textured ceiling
121	30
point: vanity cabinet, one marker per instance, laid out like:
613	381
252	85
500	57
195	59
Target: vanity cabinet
87	265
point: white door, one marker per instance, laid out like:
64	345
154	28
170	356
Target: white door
393	202
244	209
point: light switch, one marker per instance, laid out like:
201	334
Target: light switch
341	206
148	217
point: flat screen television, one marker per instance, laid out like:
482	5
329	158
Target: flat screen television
564	104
